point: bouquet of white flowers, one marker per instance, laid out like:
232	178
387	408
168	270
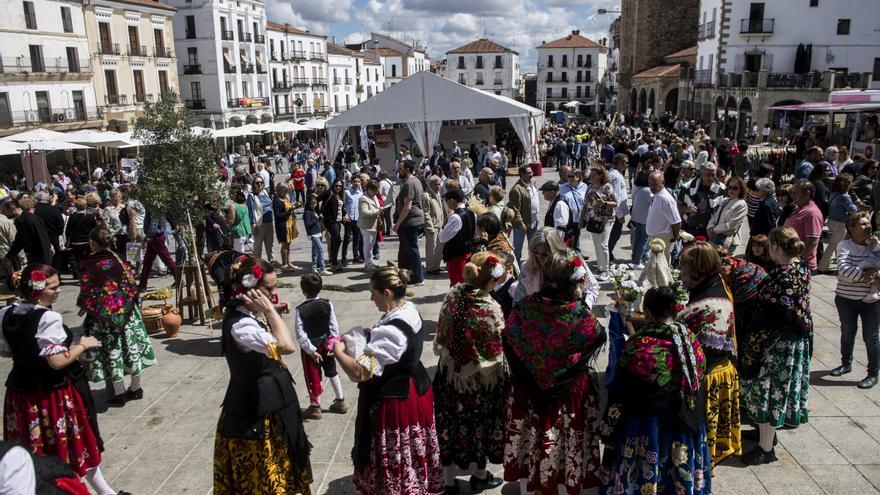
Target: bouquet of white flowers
631	291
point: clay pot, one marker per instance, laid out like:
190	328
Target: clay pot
171	320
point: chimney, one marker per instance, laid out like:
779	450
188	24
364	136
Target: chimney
576	32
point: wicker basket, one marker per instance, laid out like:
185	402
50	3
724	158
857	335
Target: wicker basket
152	316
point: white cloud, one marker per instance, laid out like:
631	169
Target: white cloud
355	37
313	11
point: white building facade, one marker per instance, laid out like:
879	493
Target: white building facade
344	66
222	60
372	77
751	56
570	69
47	73
298	65
486	65
400	60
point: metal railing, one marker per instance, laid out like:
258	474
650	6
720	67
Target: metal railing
702	77
229	69
260	69
318	56
319	81
295	55
192	69
227	35
348	81
195	104
337	81
47	116
23	65
142	97
322	110
247	68
854	80
245	37
108	48
282	85
479	65
137	51
260	38
164	52
274	57
756	26
497	82
116	100
461	65
750	79
498	66
810	80
299	81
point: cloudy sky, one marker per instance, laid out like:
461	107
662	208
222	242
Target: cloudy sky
445	24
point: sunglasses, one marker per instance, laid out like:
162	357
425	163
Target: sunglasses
733	188
541	254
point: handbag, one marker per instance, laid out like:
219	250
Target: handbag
595	226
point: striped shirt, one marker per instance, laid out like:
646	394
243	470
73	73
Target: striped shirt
852	261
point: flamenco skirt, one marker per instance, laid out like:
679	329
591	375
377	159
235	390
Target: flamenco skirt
125	351
722	412
554	443
404	453
656	454
470	424
59	423
258	467
780	392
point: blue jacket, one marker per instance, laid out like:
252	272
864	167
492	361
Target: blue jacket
311	222
841	206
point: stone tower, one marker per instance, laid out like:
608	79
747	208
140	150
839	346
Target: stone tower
649	30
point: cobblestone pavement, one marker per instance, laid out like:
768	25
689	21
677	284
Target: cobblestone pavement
163	444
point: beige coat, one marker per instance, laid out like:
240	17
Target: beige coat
368	213
435	213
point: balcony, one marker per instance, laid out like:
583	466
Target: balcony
322	110
318	56
703	77
260	38
49	116
137	51
811	80
195	104
282	85
349	81
247	102
461	65
319	81
108	48
245	37
299	81
229	69
141	98
116	100
23	68
479	82
757	26
247	68
295	55
854	80
498	66
192	69
337	81
227	36
706	31
274	57
750	79
163	52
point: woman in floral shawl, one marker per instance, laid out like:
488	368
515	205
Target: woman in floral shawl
471	385
709	316
743	278
775	359
550	343
654	431
108	296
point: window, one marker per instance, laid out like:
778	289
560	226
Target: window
549	92
479	61
587	76
193	54
134	46
191	27
104	36
393	70
565	92
876	75
549	77
159	40
139	93
814	3
843	27
110	82
37	64
461	62
580	62
195	88
5	111
565	60
163	83
66	21
260	89
549	60
565	76
72	59
229	95
79	105
336	103
30	17
244	89
587	91
577	93
579	76
589	62
44	110
498	63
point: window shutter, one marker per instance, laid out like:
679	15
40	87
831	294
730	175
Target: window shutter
767	62
738	63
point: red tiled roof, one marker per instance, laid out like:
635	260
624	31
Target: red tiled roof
660	71
687	52
287	28
385	52
572	40
149	3
481	45
334	49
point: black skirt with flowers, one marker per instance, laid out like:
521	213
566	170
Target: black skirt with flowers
470	425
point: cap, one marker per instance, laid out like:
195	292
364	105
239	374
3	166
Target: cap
550	185
709	166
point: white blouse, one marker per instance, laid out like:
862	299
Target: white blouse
249	335
387	342
50	331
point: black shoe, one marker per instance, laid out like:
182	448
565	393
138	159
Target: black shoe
117	400
452	489
841	370
758	456
478	485
755	436
134	394
868	382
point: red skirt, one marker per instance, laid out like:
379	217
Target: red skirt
54	423
557	445
404	452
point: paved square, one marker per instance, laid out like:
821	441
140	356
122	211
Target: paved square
163	444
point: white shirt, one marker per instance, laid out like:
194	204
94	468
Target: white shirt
574	198
302	338
17	475
453	225
50	330
561	214
662	214
264	174
387	342
765	131
249	335
619	185
464	183
535	202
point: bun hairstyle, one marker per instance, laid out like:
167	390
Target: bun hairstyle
563	273
31	280
483	268
702	260
391	278
101	237
787	240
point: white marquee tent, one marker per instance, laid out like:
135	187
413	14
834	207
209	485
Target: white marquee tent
424	100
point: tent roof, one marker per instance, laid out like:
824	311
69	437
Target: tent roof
429	98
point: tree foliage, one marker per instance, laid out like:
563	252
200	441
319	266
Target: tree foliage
176	164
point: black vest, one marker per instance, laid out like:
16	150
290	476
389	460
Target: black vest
46	471
315	317
548	217
259	387
460	244
30	372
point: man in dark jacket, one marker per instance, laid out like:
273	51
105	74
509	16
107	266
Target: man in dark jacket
30	235
52	219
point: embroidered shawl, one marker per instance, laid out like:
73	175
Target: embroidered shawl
108	290
709	315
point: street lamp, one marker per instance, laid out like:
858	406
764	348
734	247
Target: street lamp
606	11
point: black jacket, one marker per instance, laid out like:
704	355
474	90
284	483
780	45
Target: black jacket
765	217
52	218
31	237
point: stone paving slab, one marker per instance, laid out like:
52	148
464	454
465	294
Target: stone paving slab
163	444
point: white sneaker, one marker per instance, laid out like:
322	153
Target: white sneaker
325	272
418	284
640	266
603	277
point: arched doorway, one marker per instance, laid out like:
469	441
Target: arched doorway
235	121
265	118
671	104
251	119
643	101
633	100
746	119
652	102
794	120
731	118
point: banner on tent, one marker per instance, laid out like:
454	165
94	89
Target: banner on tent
466	135
383	138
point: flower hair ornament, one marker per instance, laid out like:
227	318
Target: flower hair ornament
657	246
497	266
578	270
250	280
38	281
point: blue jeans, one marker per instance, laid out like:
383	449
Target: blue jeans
639	243
317	252
519	238
408	255
850	311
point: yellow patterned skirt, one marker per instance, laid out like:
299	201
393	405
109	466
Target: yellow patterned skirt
258	467
722	412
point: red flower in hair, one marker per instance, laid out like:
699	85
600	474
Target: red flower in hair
257	271
699	238
577	262
38	276
491	261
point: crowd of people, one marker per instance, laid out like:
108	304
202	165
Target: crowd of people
724	344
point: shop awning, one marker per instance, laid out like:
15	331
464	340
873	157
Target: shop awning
826	107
